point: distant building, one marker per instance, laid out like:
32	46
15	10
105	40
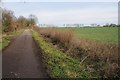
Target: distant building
73	25
47	25
42	25
93	25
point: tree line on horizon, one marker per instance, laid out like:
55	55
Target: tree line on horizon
11	23
111	25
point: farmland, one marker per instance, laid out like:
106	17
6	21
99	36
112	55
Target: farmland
103	34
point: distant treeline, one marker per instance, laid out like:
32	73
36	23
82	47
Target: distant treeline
11	23
111	25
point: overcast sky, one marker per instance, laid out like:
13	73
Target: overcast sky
67	12
61	0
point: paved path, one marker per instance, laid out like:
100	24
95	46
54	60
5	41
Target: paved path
22	59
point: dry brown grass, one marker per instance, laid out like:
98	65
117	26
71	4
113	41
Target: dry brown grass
97	56
58	37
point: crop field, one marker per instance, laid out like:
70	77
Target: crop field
103	34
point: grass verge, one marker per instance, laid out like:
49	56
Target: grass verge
58	64
5	42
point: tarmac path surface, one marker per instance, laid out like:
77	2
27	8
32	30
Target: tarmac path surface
22	59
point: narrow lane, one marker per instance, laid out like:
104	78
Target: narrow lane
22	59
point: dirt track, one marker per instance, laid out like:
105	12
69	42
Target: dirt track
22	59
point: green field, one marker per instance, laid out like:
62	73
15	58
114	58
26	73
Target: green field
104	34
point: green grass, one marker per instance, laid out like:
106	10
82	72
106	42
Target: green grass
60	65
104	34
101	34
5	42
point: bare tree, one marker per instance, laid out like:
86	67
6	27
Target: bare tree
33	20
